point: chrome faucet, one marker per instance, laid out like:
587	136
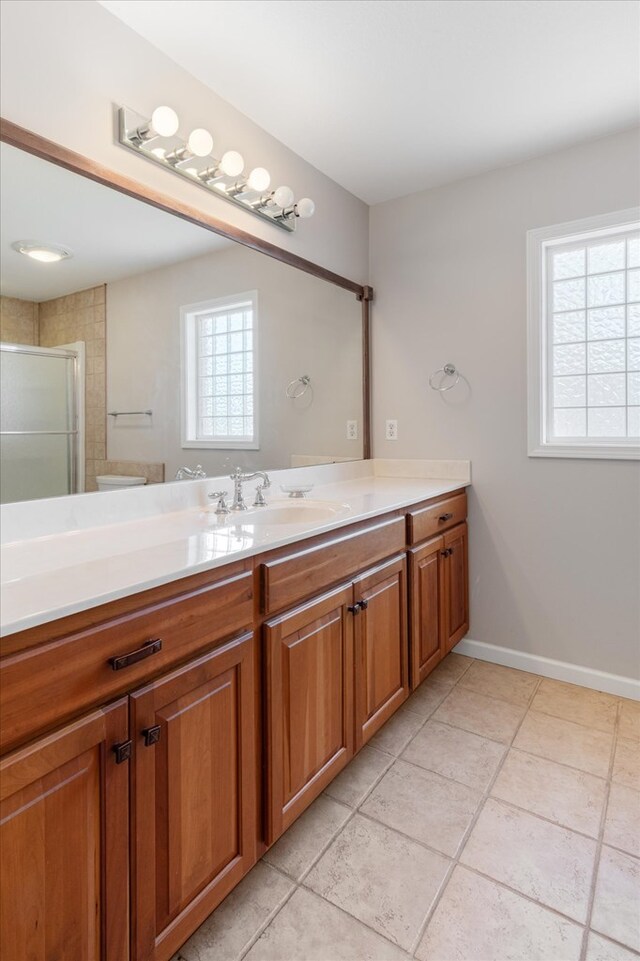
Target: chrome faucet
186	473
239	477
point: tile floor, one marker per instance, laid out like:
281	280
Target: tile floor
496	816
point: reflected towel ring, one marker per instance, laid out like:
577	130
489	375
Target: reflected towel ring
449	370
298	387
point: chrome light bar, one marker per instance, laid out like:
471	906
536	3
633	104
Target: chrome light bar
156	138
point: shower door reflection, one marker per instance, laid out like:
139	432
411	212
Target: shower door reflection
40	421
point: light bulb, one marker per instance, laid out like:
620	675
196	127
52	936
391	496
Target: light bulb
164	122
232	163
259	179
283	197
200	142
305	208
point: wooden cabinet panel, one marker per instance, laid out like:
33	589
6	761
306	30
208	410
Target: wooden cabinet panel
67	676
436	518
289	579
381	650
194	798
456	587
64	833
426	598
309	703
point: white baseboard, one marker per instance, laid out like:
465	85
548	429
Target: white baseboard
548	667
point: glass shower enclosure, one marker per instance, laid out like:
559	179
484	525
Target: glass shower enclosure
41	421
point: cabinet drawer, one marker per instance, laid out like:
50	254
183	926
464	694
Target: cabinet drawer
427	521
288	579
44	686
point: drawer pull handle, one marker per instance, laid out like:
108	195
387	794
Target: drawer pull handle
445	517
147	649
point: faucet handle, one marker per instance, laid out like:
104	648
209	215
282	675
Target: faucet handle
222	507
260	489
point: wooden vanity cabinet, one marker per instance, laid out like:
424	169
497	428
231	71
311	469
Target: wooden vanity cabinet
309	703
194	805
455	615
381	665
64	838
336	670
438	598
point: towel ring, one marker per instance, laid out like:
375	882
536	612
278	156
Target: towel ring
298	387
449	370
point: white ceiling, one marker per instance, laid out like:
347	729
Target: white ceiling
111	236
388	97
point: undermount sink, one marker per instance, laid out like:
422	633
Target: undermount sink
309	512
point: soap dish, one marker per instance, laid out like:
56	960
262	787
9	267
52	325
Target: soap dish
296	490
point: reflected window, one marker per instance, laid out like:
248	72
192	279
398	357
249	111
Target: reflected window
219	373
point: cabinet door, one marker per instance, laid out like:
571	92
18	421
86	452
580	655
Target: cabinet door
64	834
194	805
309	704
426	596
381	647
456	587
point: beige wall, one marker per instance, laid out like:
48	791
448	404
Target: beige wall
85	61
555	543
305	326
18	321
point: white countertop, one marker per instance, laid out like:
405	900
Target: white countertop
70	570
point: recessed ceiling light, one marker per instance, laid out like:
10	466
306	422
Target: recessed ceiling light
45	253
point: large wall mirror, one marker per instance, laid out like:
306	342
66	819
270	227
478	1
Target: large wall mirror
136	343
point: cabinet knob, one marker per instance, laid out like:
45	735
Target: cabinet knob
354	608
445	517
364	605
447	552
151	735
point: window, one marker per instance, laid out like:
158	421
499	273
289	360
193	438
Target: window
584	338
219	377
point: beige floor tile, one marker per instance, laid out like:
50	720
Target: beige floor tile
301	844
479	920
578	704
398	731
615	905
622	826
498	681
480	714
423	805
455	753
629	725
311	929
542	860
359	776
430	695
226	932
574	799
626	766
565	742
601	949
450	670
386	880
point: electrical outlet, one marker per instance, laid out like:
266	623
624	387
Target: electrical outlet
352	430
391	430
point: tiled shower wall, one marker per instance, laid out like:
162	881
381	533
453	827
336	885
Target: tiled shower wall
18	321
81	317
76	317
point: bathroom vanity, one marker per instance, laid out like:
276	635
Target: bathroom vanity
155	745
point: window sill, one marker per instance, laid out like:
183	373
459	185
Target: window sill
612	452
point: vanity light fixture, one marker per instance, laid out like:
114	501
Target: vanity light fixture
44	253
156	138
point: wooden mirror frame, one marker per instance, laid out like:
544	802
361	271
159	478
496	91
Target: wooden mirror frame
33	143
